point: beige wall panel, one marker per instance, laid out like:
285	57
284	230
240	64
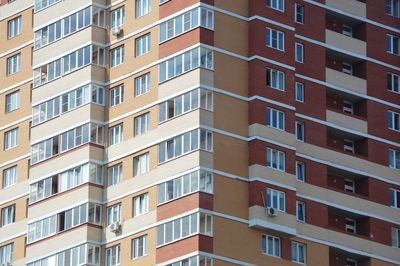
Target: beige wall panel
25	68
19	250
349	6
231	114
23	146
22	180
26	33
344	42
63	161
68	44
81	76
272	134
239	7
269	174
282	219
342	80
24	109
11	8
231	74
12	230
347	121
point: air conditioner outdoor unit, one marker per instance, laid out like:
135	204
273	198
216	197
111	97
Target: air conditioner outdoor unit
271	212
116	31
115	227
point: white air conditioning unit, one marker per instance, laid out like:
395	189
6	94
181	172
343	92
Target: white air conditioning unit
116	31
271	212
115	227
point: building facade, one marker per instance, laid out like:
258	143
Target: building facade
200	132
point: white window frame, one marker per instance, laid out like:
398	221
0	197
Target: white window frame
14	27
347	68
277	36
8	215
117	56
113	214
394	159
142	124
348	107
299	52
393	8
276	4
299	92
142	7
115	174
13	101
277	155
280	196
9	176
279	79
393	120
136	244
395	237
275	251
298	136
113	255
391	44
11	138
351	228
115	134
276	119
117	17
116	95
142	84
140	204
141	164
349	185
394	198
351	262
142	45
393	82
348	146
303	211
6	254
300	175
296	250
13	64
298	13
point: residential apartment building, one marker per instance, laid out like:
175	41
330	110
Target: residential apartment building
200	132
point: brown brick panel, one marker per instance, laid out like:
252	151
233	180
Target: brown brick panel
313	61
376	48
377	121
314	26
376	11
259	7
376	85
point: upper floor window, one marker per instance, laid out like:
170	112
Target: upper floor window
185	103
276	4
11	139
300	171
271	245
276	199
276	159
142	84
197	57
40	4
141	164
14	27
9	176
140	204
395	237
142	124
393	8
187	22
143	7
139	247
14	64
275	39
393	44
394	159
8	215
6	254
114	174
299	131
117	17
299	92
12	101
301	211
299	53
113	214
116	95
115	134
298	252
142	45
299	13
113	256
393	83
393	120
117	56
395	198
276	79
275	119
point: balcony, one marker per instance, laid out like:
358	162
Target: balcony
348	143
340	257
353	7
283	222
348	82
344	42
346	121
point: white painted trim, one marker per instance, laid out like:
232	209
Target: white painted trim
16	85
16	49
266	181
281	228
16	122
223	258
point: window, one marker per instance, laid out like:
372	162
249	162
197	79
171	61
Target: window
43	189
143	7
8	215
351	262
395	237
115	134
299	131
117	56
348	107
142	124
113	255
142	45
276	159
42	228
348	145
185	143
142	84
116	95
393	120
198	98
276	199
141	164
276	4
6	254
392	44
276	79
73	138
298	252
275	39
117	18
11	139
275	119
299	53
299	91
301	211
393	8
347	30
393	83
13	64
347	68
113	214
41	4
9	176
184	185
394	159
114	174
187	22
14	27
139	247
299	13
395	198
271	246
12	101
300	171
49	33
197	223
197	57
140	204
195	260
349	185
350	225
